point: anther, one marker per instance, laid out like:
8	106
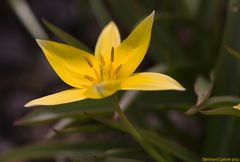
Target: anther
112	54
89	78
88	61
102	60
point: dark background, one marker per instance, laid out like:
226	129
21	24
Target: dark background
189	43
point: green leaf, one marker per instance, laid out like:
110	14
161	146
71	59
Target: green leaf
61	124
67	38
100	12
222	111
76	109
124	154
227	82
192	6
127	17
233	52
203	89
87	128
47	150
160	142
120	160
221	101
169	146
27	17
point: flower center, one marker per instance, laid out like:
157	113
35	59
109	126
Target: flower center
107	70
110	71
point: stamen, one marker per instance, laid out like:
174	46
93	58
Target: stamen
102	60
89	78
118	68
112	54
88	61
101	73
96	73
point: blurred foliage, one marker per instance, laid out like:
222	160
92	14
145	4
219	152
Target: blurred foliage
192	41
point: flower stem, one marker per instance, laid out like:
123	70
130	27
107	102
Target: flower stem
135	134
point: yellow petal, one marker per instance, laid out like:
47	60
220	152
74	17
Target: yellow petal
66	96
237	107
103	89
108	38
132	50
150	82
71	64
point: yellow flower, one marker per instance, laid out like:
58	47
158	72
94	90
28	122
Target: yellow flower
109	70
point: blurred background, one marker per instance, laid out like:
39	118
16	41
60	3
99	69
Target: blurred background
187	41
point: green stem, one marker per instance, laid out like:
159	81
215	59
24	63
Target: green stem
136	135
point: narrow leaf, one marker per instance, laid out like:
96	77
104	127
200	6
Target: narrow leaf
47	150
169	146
76	109
233	52
100	12
120	159
221	101
162	143
67	38
203	89
27	17
230	111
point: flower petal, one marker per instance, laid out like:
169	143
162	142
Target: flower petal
150	82
132	50
66	96
71	64
237	107
108	38
103	89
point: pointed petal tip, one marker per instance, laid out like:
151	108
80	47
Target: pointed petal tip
152	15
28	105
150	18
112	24
182	89
32	103
237	107
40	42
179	87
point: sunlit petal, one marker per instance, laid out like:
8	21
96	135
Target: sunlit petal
237	107
71	64
108	38
102	90
66	96
132	50
150	82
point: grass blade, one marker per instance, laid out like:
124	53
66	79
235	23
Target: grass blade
64	36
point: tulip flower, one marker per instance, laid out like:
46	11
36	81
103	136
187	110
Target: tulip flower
110	69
